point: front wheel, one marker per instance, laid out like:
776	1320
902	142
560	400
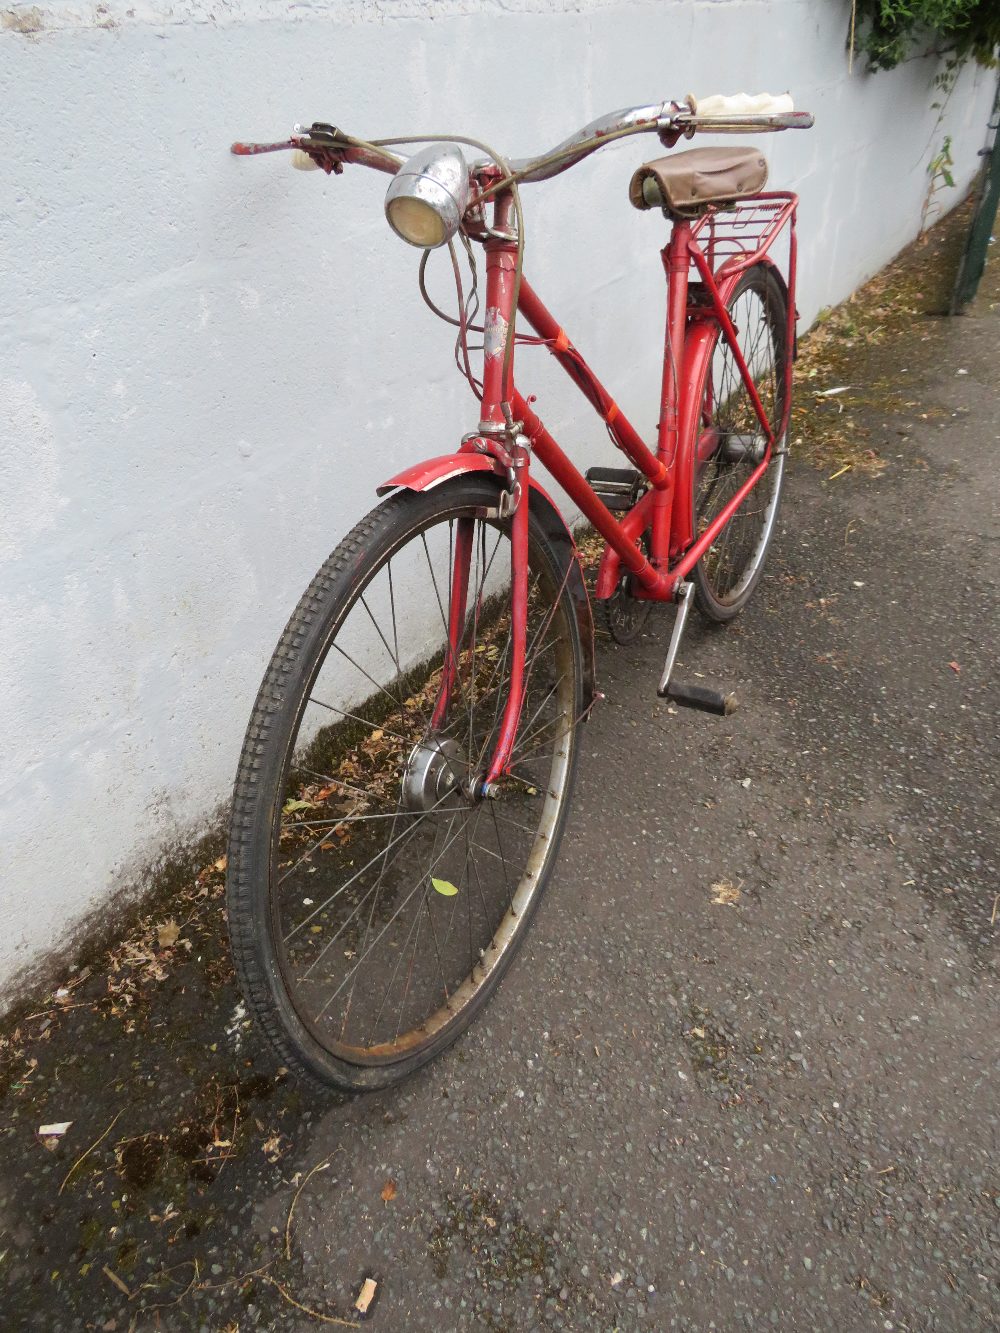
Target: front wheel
375	898
729	444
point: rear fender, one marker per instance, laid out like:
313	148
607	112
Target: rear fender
437	471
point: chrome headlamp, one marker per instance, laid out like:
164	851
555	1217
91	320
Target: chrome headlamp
428	196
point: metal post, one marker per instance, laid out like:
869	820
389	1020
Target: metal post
973	261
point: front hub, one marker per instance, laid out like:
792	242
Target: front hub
435	768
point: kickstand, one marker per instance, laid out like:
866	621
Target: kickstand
689	696
684	593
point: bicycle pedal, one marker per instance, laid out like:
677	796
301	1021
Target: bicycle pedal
698	696
618	487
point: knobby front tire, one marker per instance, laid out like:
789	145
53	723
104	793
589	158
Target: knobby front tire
729	571
375	902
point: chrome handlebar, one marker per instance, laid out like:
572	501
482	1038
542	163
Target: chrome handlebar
671	121
631	120
330	147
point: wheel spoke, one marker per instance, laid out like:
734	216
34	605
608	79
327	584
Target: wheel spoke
419	885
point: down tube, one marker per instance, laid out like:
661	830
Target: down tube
591	506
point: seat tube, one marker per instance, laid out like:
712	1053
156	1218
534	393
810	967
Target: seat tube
675	263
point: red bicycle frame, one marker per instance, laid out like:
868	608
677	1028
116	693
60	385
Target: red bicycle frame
665	509
510	431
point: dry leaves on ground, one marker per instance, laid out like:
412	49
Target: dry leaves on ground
725	894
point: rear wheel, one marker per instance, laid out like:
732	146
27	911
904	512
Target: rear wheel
730	444
375	898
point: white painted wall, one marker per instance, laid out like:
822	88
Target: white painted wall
207	364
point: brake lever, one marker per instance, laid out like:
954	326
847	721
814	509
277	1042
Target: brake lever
328	147
318	142
686	124
670	131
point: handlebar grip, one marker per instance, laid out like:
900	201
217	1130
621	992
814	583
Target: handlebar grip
741	104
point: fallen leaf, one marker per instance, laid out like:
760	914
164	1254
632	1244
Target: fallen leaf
725	894
220	864
167	934
290	807
113	1277
444	887
271	1148
366	1295
388	1191
955	667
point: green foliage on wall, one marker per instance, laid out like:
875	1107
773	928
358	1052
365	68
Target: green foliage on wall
888	31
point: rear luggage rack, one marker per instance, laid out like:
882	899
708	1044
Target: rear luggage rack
736	236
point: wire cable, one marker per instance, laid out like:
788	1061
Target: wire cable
515	195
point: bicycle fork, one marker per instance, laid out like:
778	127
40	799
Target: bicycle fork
500	436
513	504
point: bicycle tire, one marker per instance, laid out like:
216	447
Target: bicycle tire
267	921
728	573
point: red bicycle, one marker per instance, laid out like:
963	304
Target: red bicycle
408	766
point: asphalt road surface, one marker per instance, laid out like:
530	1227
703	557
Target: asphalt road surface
744	1072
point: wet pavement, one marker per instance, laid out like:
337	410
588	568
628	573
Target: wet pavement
744	1072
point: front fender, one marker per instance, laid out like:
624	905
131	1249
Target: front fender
433	471
436	471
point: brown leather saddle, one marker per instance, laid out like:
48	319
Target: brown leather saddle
684	184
